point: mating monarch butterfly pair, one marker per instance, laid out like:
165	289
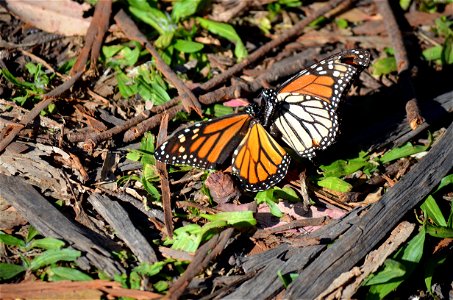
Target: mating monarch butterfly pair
302	112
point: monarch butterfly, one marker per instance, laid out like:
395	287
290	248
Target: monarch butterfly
302	112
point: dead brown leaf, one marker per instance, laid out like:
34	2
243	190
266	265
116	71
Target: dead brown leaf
63	17
70	290
9	216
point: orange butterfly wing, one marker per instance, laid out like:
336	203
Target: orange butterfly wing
205	144
259	161
327	79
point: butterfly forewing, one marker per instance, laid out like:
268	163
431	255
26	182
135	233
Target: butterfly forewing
306	114
327	79
205	144
259	161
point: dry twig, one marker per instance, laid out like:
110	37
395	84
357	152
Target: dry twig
163	174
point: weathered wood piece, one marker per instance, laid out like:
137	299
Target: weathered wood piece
119	219
287	259
50	222
354	226
34	167
377	222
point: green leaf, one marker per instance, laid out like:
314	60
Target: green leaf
409	256
274	209
433	211
335	184
238	218
186	238
341	23
433	53
403	151
341	167
404	4
52	256
135	280
439	232
443	26
392	269
450	217
134	155
151	86
447	50
150	269
147	148
159	20
430	268
219	110
384	66
152	92
446	181
19	83
11	240
128	56
287	279
8	271
286	193
161	286
46	243
319	22
226	31
268	197
110	51
184	8
188	46
32	232
63	273
164	40
151	189
290	3
126	85
271	197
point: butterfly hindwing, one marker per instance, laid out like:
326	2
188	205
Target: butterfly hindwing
259	161
205	144
307	125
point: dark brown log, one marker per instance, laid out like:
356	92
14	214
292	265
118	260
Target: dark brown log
118	218
380	219
286	259
50	222
361	230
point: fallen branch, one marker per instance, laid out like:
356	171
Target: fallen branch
94	37
96	137
163	174
152	122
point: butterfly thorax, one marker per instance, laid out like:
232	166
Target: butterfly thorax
268	105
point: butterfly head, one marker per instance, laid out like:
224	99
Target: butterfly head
359	58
